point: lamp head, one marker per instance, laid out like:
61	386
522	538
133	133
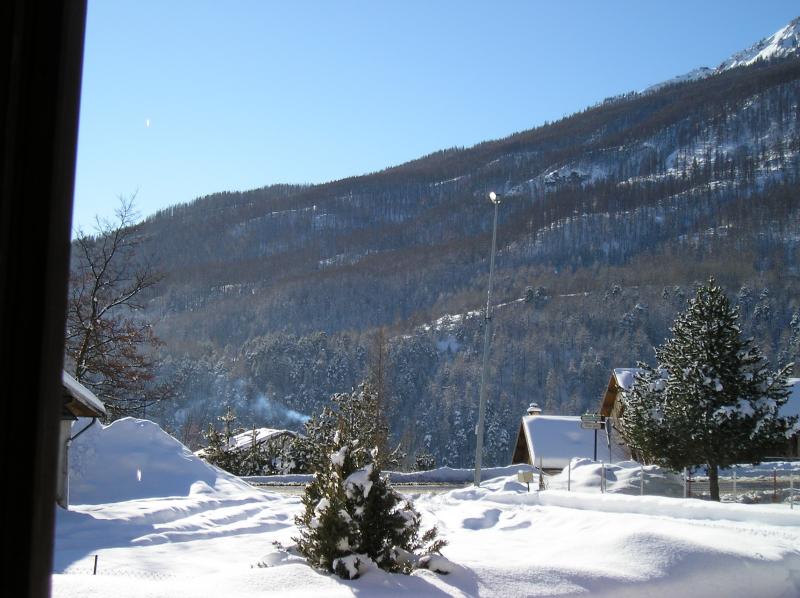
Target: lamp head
493	197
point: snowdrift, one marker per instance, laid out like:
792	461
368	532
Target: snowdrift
173	526
134	459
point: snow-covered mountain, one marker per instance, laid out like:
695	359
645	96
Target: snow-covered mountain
785	42
609	218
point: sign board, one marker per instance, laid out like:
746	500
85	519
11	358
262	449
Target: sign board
591	417
592	425
525	477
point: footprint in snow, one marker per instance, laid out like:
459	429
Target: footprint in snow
489	519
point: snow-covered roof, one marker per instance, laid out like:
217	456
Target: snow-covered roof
81	402
555	439
621	378
625	377
245	439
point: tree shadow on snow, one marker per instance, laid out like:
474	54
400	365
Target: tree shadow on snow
420	584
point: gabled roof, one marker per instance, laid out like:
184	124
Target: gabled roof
245	439
625	377
555	439
622	379
79	400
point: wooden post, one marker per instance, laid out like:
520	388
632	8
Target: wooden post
734	484
569	476
94	572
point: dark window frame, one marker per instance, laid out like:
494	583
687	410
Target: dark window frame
40	80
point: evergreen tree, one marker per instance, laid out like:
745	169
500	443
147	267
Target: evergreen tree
351	512
356	416
424	461
327	531
216	452
712	400
253	459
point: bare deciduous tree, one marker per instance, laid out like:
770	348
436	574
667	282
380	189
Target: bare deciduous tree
108	343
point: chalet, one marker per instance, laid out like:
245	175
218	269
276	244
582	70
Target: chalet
77	401
272	441
611	409
551	441
263	436
622	380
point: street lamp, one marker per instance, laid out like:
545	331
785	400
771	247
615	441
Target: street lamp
487	335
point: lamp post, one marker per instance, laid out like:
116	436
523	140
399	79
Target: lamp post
487	335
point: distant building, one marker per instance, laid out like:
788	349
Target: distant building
551	441
612	408
77	401
273	442
243	441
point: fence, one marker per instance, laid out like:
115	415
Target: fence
777	486
743	484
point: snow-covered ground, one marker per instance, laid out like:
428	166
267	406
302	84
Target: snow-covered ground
163	523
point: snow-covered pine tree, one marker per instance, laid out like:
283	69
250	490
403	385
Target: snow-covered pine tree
388	524
254	459
327	531
424	460
218	451
355	415
712	400
351	512
215	451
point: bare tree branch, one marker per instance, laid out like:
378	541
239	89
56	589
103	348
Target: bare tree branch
108	346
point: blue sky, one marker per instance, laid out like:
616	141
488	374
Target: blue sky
185	98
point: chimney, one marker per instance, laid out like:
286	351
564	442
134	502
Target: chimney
534	409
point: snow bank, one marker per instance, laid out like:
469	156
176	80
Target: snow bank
187	529
440	475
509	491
621	478
133	459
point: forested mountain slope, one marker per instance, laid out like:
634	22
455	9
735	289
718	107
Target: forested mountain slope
271	297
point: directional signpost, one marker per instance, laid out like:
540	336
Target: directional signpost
593	421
